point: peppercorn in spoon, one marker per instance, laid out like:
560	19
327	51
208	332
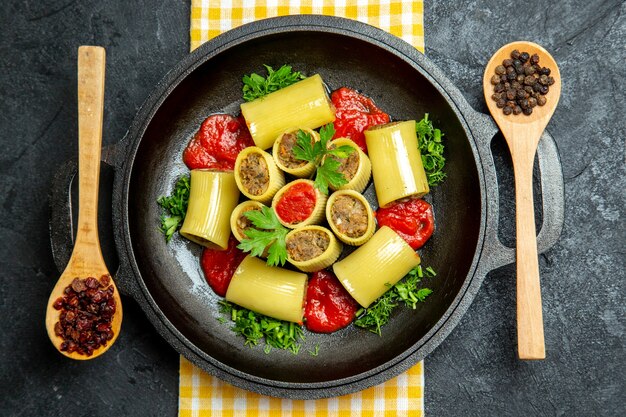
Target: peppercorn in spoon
84	312
522	128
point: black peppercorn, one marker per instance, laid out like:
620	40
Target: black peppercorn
543	79
503	78
510	94
545	71
495	79
529	80
519	69
528	111
537	87
517	110
529	89
515	85
510	103
529	70
500	70
541	100
507	62
532	102
511	76
544	89
500	103
510	70
523	103
499	88
550	80
520	78
524	56
515	54
507	110
534	59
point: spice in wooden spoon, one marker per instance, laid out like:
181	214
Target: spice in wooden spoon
522	133
84	312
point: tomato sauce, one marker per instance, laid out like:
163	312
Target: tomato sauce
354	113
217	143
220	265
329	307
412	219
297	203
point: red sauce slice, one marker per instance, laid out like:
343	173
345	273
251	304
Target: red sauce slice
217	143
329	307
412	220
220	265
354	113
297	203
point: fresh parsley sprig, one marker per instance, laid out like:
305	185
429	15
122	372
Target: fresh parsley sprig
405	292
319	154
431	147
267	233
175	206
256	86
253	327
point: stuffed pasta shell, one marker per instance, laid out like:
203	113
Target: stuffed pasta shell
270	290
284	156
371	270
304	104
312	248
257	175
350	217
396	162
356	167
239	223
212	197
299	203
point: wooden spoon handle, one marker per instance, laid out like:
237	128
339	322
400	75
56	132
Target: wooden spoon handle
530	340
91	66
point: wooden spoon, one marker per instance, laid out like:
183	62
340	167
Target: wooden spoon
522	134
86	260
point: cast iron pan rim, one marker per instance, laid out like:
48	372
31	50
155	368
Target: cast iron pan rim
258	29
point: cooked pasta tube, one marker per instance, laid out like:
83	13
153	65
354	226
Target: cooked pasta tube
368	272
304	104
299	203
269	290
350	217
312	248
257	175
396	162
212	197
282	151
356	168
239	223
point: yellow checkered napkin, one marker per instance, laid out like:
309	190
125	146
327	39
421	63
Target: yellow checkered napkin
204	395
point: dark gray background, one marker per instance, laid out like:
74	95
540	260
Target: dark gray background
475	371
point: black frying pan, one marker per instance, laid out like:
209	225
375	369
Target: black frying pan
166	280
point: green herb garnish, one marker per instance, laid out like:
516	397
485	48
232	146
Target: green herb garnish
175	206
319	154
253	327
256	86
268	234
431	147
405	292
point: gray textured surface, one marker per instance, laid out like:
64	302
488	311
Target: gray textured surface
475	371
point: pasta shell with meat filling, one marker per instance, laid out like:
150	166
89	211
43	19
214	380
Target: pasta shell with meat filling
284	156
312	248
239	223
299	203
356	167
257	175
350	217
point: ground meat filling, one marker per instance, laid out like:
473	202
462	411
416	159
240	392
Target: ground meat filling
255	176
243	223
349	216
307	244
285	152
349	165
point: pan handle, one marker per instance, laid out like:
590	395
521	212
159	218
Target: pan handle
494	253
61	224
